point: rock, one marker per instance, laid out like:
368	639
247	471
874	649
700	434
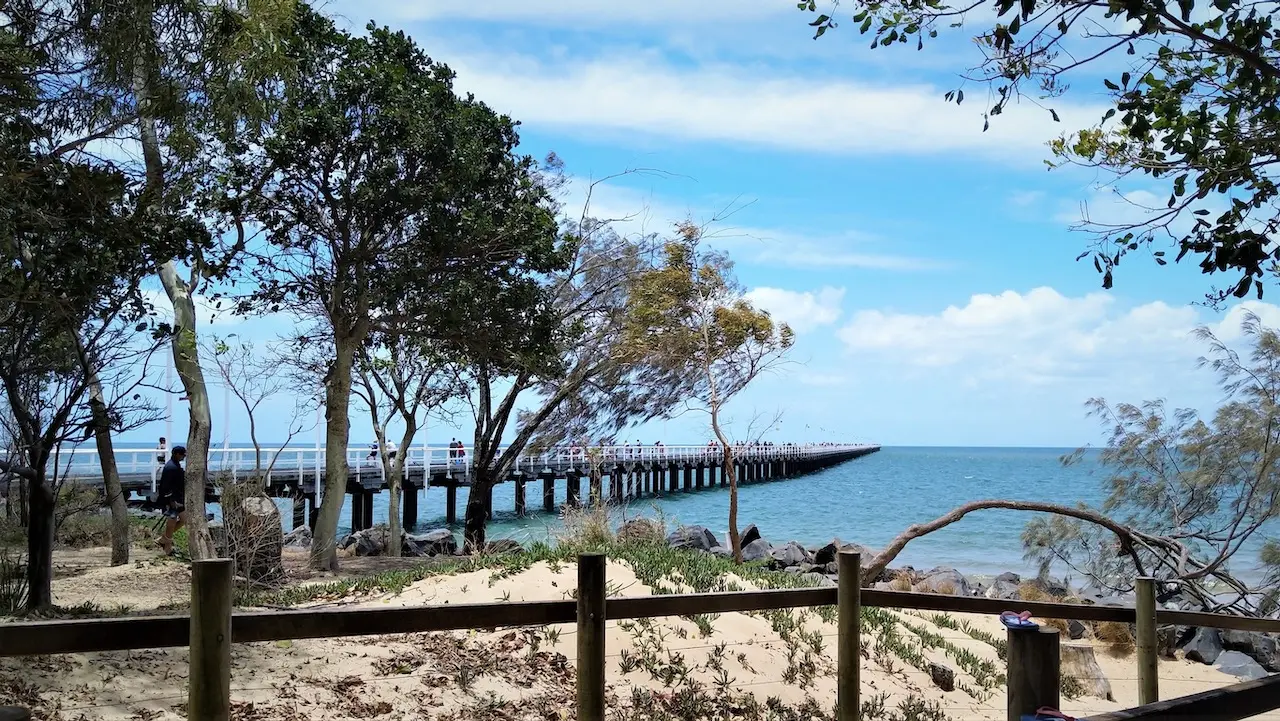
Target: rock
1075	630
1258	646
695	538
942	676
1013	578
643	530
1205	646
440	542
1052	587
792	554
299	537
946	581
1167	640
827	554
757	550
751	534
1081	663
721	551
369	542
1239	665
1003	588
502	547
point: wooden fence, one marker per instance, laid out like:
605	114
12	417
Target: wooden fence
1033	676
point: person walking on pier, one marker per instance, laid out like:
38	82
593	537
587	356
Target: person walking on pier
173	483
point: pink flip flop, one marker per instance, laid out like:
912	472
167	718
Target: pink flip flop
1014	619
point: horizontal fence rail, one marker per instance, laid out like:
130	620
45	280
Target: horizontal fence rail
1230	703
1033	674
36	638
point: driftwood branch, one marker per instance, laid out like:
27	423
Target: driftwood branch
1129	538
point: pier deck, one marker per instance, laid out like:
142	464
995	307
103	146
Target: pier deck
615	474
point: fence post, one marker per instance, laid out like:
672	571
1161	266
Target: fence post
1148	675
209	690
1034	673
591	600
849	649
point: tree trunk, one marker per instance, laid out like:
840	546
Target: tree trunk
393	514
337	402
473	532
40	545
877	565
110	473
727	468
185	355
395	481
186	359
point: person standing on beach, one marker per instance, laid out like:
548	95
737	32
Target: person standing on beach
173	483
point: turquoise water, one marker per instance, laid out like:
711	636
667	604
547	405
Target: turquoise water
868	500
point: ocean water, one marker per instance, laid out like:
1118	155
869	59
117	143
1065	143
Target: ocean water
868	500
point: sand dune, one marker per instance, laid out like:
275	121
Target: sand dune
528	673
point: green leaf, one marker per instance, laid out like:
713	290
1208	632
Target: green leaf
1054	113
959	97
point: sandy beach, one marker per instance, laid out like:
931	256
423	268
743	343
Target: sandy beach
529	673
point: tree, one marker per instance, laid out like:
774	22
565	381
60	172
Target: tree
389	202
1186	494
73	263
1196	93
116	407
692	310
255	377
398	379
179	83
588	379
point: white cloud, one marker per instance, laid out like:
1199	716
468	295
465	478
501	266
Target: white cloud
751	105
639	211
586	12
803	311
1041	337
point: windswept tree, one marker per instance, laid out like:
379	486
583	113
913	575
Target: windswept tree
585	374
391	202
691	315
1195	107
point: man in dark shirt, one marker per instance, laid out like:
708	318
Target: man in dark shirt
173	483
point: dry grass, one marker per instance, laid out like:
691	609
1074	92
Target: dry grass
585	527
900	583
1029	591
946	588
1117	636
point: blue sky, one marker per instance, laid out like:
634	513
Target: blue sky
928	267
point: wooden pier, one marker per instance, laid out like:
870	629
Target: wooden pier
615	475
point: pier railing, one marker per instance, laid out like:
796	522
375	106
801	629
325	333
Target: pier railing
1033	676
307	463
